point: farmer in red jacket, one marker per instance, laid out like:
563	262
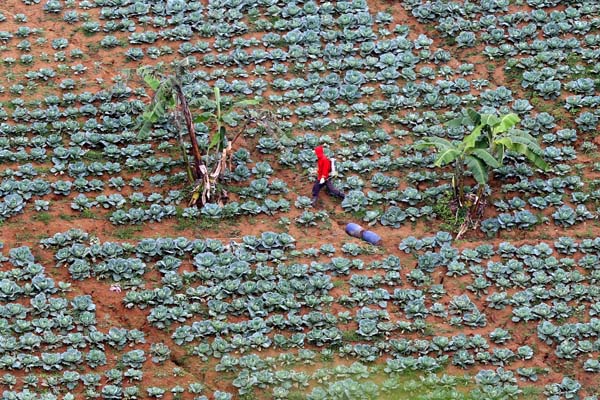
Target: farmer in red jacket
323	177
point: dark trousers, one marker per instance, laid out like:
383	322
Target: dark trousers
330	188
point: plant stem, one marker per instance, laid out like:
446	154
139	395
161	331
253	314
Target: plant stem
185	110
186	159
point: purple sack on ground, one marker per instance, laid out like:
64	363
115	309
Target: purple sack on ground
354	230
371	237
358	232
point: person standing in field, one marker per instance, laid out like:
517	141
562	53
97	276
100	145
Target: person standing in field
325	169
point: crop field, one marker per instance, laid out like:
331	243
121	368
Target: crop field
158	238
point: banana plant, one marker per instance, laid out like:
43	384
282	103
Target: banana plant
169	101
220	118
497	135
465	158
483	149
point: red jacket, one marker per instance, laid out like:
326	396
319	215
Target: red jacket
323	163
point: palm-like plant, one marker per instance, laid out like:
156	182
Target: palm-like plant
477	161
169	100
497	135
481	150
219	141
